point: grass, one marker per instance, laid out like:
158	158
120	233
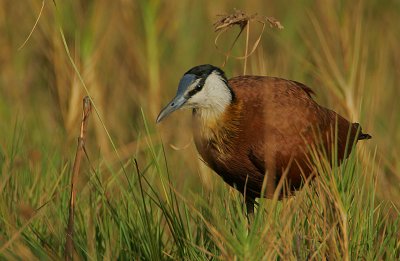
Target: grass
156	200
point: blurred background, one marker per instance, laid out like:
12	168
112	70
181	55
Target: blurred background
131	55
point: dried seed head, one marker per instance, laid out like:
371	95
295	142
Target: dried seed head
241	19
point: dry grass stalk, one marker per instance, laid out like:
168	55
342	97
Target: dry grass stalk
241	19
69	246
33	28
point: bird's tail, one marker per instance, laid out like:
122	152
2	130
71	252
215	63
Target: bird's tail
361	135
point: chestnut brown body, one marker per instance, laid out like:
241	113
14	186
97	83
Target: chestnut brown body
268	126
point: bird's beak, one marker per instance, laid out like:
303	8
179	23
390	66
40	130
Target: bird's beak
175	104
179	99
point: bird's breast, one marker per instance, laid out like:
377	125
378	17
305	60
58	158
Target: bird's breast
216	135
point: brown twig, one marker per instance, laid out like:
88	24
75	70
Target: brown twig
69	246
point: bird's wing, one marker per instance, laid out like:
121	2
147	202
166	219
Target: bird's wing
293	113
282	120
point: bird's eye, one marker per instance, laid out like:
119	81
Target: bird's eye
195	89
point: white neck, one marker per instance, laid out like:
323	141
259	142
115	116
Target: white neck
213	99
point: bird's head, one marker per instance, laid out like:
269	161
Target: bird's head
203	87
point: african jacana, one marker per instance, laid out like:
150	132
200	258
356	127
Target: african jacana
250	124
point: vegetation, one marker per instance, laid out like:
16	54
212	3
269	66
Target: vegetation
146	195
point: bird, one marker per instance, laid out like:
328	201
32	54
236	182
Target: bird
251	125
